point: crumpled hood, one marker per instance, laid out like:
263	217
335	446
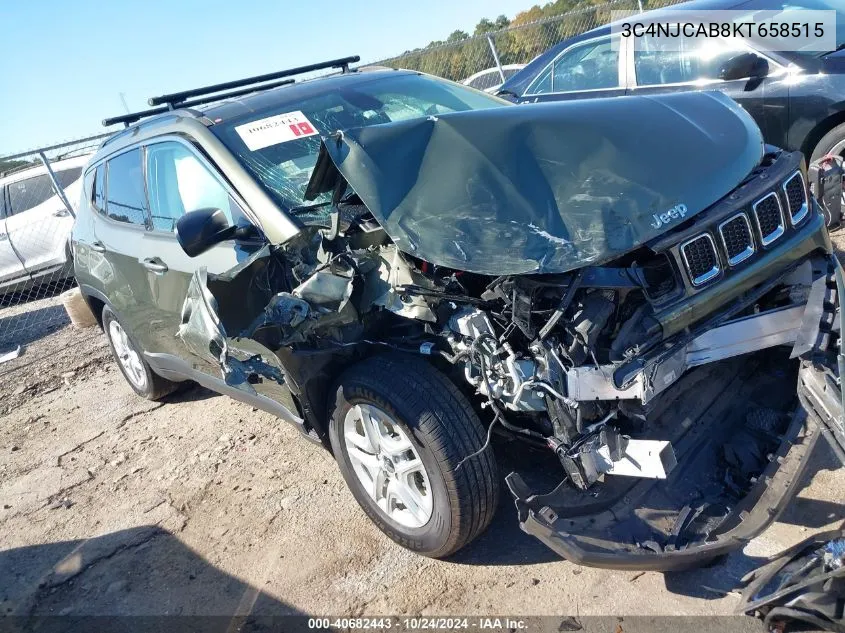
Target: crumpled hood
546	188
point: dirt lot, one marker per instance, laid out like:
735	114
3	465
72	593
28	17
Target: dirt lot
110	504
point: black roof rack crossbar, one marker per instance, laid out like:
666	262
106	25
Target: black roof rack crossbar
176	98
133	117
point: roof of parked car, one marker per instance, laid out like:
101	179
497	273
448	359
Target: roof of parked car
37	168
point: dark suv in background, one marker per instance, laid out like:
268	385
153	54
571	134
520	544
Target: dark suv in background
402	266
796	97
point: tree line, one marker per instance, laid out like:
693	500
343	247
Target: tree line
14	165
463	54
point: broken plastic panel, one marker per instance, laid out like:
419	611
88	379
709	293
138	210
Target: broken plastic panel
802	588
242	363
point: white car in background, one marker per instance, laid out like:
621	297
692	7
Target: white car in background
490	79
35	225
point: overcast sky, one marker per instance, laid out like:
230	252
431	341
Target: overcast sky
64	64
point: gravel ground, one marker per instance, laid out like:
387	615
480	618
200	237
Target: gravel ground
110	504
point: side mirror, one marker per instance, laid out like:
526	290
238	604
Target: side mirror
744	66
199	230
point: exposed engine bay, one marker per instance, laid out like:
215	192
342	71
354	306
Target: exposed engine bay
540	354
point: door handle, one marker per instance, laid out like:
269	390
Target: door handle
61	213
4	236
154	264
97	247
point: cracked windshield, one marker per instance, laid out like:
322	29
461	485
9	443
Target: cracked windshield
284	168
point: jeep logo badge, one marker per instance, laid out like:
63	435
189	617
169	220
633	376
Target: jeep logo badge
678	211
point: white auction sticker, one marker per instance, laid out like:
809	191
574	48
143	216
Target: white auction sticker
273	130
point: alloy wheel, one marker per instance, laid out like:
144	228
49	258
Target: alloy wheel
128	358
387	465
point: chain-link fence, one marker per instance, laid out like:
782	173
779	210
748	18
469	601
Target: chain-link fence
37	203
39	192
484	61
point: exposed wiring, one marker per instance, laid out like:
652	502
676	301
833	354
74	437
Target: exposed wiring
539	384
453	359
589	433
497	413
480	450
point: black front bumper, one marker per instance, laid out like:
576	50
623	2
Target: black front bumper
774	490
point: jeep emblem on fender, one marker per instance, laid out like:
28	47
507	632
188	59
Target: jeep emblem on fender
678	211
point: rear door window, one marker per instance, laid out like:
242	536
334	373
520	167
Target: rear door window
658	62
125	198
28	193
67	177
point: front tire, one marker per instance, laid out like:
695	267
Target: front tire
137	372
398	429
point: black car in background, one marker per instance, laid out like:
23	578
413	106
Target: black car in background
797	98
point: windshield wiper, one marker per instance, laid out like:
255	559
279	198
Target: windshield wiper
305	208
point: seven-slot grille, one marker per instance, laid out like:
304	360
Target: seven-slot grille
738	242
796	197
769	218
701	259
736	238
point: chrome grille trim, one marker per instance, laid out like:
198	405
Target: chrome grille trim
708	275
775	234
749	250
796	218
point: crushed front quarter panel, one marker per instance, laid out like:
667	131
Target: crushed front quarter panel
242	363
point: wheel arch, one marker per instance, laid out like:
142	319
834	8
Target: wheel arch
315	373
817	133
96	300
311	374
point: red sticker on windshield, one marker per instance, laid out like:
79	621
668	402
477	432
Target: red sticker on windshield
273	130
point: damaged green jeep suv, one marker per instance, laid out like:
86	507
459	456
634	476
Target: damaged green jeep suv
403	267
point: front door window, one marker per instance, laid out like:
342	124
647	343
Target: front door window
659	61
178	182
593	65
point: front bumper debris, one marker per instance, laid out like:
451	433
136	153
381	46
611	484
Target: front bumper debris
764	504
802	588
741	456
